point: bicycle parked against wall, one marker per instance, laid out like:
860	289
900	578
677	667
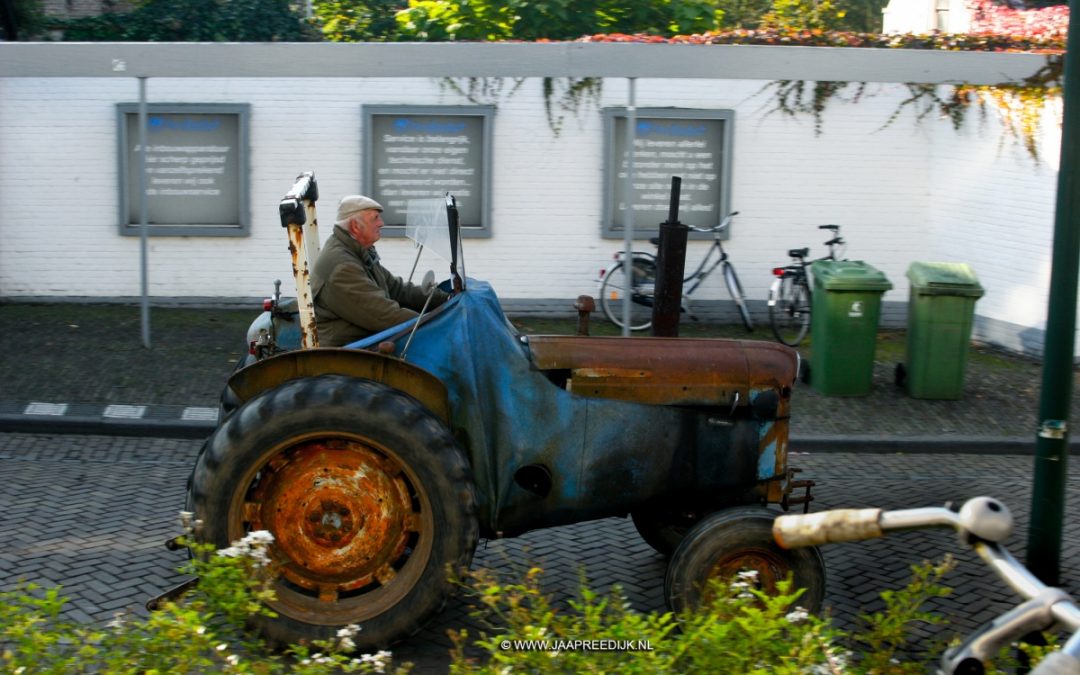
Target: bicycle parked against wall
983	523
789	295
642	284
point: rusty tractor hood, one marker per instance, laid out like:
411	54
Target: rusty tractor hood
666	371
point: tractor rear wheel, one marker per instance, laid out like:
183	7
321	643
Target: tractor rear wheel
736	540
371	504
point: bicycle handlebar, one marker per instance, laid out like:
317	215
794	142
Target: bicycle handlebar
983	523
716	228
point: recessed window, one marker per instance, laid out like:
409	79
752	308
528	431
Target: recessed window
196	172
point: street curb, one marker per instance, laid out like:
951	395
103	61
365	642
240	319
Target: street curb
962	445
171	422
161	421
34	424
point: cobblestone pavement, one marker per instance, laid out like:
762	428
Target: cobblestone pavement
91	513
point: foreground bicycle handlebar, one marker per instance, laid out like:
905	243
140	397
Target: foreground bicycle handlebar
982	523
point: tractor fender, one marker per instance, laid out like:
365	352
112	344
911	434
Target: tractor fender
268	373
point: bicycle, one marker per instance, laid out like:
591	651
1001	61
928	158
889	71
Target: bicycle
789	295
983	523
643	282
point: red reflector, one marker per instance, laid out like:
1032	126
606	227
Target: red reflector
251	348
268	305
602	273
778	271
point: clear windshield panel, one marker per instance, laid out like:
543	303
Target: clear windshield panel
426	223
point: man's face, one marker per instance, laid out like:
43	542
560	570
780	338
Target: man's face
366	226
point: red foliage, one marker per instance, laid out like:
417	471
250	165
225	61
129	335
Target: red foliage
1046	23
982	41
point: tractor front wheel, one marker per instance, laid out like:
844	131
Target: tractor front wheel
738	540
371	504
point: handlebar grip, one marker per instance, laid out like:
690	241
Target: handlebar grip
1057	663
812	529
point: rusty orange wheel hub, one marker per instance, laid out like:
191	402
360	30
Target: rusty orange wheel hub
770	568
344	516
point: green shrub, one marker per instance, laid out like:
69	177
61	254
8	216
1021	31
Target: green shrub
204	631
740	630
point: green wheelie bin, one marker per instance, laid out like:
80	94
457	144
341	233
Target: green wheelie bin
846	307
941	307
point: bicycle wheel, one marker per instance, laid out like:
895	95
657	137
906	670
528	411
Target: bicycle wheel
735	288
613	290
790	314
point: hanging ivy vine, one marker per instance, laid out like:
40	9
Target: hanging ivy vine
1021	105
563	96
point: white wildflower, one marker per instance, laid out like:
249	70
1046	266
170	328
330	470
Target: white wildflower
200	630
117	621
252	546
380	661
797	615
259	537
232	660
349	631
346	644
222	647
748	575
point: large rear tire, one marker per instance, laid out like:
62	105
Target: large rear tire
735	540
641	289
371	504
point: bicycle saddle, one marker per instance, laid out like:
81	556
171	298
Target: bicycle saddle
799	252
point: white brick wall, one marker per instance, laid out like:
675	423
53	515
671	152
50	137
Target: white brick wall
992	206
901	193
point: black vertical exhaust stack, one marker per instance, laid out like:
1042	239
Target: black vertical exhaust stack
670	264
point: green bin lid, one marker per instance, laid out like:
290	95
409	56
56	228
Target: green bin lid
943	278
849	275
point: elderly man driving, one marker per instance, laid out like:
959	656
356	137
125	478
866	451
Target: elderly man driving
354	295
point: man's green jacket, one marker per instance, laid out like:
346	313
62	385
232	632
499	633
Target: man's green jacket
355	296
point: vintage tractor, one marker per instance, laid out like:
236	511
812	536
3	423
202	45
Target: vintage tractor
378	466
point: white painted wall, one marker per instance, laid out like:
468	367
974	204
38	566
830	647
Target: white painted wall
924	16
901	193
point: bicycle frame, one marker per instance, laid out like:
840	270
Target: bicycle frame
701	274
647	261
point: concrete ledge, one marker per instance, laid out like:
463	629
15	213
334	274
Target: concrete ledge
970	445
170	422
73	424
